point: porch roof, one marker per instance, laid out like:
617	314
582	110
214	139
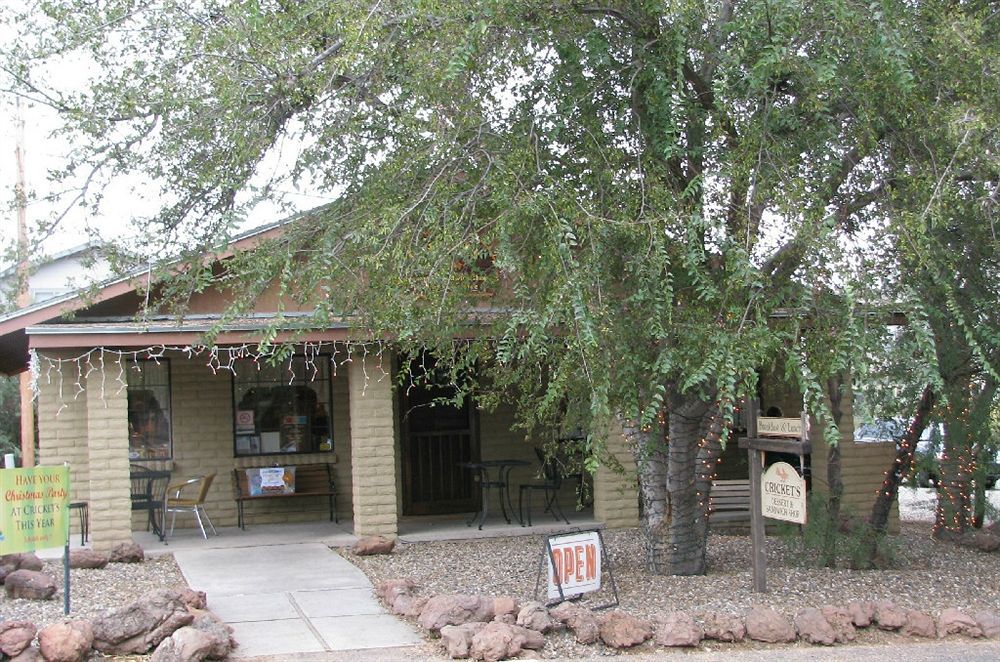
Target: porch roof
127	332
14	344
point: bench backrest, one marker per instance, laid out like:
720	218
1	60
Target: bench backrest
730	495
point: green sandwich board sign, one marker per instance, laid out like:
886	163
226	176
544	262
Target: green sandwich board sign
34	509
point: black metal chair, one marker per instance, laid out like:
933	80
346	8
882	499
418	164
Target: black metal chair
149	493
549	486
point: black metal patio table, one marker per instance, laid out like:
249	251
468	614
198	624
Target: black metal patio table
149	492
500	482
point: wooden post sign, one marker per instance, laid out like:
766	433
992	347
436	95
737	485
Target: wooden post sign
780	492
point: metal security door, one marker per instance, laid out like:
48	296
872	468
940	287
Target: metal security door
436	440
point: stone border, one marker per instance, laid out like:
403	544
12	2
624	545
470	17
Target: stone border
171	624
491	628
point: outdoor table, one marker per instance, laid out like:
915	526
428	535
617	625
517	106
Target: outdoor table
149	491
500	483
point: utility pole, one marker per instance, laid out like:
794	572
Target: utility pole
23	295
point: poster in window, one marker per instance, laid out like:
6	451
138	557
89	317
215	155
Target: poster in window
244	422
247	444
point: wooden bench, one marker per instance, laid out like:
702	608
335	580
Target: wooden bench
311	480
729	504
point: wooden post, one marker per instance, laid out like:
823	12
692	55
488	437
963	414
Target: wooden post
23	296
758	536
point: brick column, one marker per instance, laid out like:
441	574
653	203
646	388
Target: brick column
107	444
373	450
616	499
62	432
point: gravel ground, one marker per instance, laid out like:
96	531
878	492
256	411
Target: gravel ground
94	591
928	575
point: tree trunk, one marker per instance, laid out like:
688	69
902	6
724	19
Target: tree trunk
965	421
834	479
902	463
690	464
953	514
649	448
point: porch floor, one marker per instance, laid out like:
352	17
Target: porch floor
410	530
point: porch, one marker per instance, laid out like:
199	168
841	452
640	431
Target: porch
392	476
411	530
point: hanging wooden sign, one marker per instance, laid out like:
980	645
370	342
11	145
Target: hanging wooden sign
783	494
768	426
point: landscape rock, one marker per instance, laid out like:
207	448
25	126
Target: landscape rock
919	624
22	560
221	634
141	625
186	644
888	616
813	627
623	630
955	621
127	552
499	641
193	599
30	654
723	627
767	625
454	609
399	595
535	616
29	585
581	621
989	623
862	613
841	621
16	636
371	545
69	641
87	559
980	541
458	638
505	609
678	628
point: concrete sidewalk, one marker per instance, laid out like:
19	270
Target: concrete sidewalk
291	600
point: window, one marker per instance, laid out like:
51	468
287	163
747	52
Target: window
149	410
283	408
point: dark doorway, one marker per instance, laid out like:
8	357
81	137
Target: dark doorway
436	439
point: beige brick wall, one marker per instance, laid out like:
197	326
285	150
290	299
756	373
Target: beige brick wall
62	432
616	499
202	420
373	449
107	438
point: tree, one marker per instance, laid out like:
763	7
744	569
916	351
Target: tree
655	193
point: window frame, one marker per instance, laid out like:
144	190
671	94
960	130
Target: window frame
327	393
169	409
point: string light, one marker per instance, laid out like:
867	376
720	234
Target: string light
49	370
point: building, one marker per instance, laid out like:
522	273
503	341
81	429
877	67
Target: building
117	388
